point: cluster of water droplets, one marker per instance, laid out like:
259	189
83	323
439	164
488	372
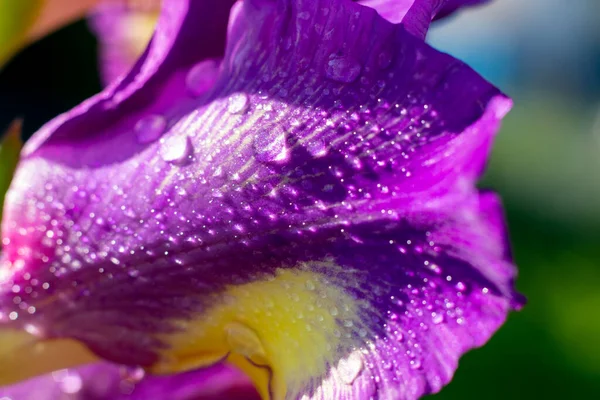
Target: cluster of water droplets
373	126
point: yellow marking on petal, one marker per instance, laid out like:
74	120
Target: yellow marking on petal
137	29
23	355
282	331
259	375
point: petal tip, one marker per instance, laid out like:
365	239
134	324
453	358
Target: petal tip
501	105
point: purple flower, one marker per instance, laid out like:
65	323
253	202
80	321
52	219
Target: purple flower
291	193
124	27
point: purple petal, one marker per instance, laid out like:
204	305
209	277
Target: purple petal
450	6
350	151
439	285
416	15
105	381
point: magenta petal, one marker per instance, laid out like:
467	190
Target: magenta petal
105	381
307	144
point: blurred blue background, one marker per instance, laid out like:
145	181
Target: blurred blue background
546	165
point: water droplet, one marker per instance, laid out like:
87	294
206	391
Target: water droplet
387	364
415	364
342	68
238	103
317	148
349	368
271	145
176	149
201	77
71	383
134	374
437	318
149	128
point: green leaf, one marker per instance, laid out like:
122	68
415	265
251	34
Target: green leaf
16	18
10	148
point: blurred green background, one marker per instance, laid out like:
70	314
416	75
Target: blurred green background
546	165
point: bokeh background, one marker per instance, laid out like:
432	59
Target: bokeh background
546	165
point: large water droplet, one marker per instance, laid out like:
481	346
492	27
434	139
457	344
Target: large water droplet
176	149
349	368
238	103
202	77
271	145
149	128
342	68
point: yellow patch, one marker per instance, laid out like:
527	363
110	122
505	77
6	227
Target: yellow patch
24	356
282	331
137	29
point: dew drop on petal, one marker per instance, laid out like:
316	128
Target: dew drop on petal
238	103
176	149
202	77
437	318
317	148
349	368
149	128
134	374
71	383
271	145
342	68
415	364
387	364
